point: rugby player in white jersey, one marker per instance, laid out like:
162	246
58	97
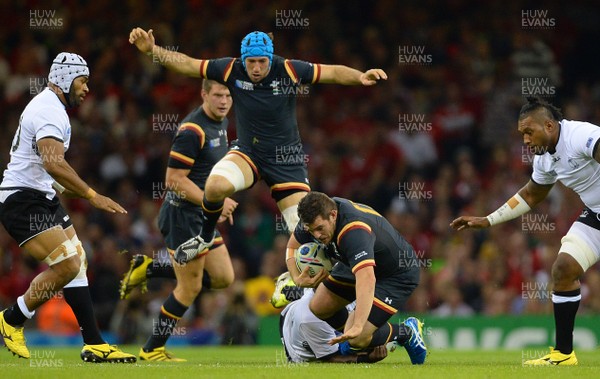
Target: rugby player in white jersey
32	214
305	337
566	151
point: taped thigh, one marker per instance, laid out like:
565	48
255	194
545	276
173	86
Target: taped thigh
231	172
80	279
64	251
290	215
579	249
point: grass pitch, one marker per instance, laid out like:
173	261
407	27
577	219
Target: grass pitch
268	362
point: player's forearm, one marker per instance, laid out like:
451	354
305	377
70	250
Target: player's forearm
365	293
343	75
66	177
186	189
176	61
522	202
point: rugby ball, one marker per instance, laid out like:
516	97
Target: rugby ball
313	255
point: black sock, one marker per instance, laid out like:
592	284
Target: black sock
338	320
171	312
160	270
212	211
389	333
80	301
565	308
13	315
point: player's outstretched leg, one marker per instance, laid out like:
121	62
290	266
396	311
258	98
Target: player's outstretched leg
554	358
14	338
136	276
415	346
105	353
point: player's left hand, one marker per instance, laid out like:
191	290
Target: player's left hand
353	332
370	77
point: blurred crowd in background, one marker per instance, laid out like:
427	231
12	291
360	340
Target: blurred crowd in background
435	141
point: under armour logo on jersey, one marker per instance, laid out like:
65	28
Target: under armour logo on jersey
388	300
555	159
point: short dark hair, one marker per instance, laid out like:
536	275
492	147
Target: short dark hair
535	103
315	204
207	84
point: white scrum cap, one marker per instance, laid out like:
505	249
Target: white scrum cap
65	68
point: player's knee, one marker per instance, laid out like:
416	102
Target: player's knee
191	286
64	260
68	268
217	188
565	269
223	280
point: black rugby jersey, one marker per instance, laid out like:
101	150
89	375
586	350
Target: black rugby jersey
199	144
364	238
265	111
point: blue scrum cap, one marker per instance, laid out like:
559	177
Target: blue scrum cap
257	44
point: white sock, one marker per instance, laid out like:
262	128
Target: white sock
23	307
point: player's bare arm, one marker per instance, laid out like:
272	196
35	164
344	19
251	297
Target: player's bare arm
173	60
530	195
177	180
339	74
365	293
55	164
302	279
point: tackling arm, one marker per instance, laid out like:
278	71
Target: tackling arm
365	293
528	197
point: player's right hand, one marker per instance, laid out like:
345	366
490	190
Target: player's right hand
106	204
466	222
143	40
305	280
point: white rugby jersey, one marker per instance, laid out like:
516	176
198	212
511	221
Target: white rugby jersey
573	163
305	336
44	116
